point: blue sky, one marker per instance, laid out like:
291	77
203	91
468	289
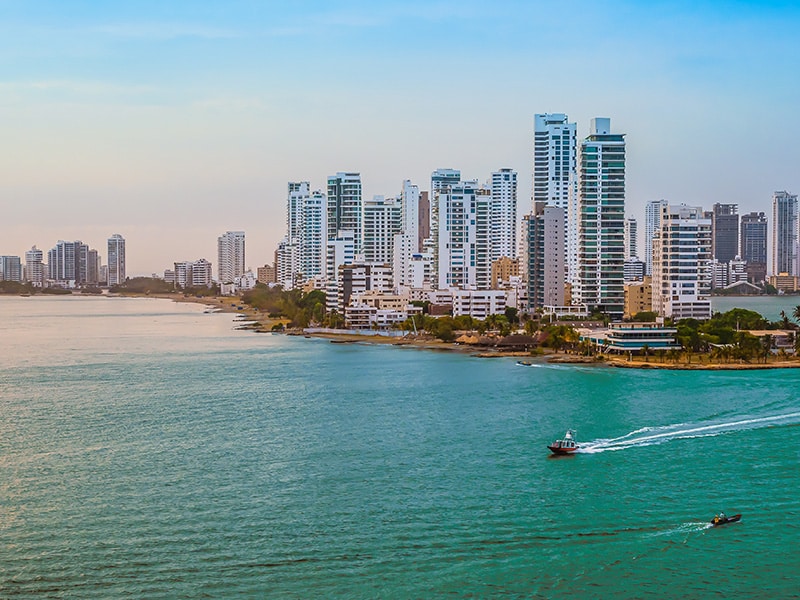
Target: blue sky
171	123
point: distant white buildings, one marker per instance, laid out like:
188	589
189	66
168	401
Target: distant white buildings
230	256
784	234
116	260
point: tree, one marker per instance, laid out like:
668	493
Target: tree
796	313
646	352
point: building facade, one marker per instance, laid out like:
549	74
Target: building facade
344	206
753	245
601	221
503	215
545	256
725	232
652	224
784	234
231	256
116	260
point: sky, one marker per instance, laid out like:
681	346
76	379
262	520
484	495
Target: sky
171	123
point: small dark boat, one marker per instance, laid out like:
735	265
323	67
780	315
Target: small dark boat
723	520
524	363
567	445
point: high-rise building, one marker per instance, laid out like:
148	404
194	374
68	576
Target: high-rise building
463	236
34	267
408	242
116	260
441	182
503	215
631	238
341	250
312	235
725	232
652	224
681	263
753	240
10	269
344	206
66	262
601	226
382	220
545	255
230	256
298	192
784	233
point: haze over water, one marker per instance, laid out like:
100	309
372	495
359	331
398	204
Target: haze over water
150	450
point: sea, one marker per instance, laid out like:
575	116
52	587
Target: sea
149	449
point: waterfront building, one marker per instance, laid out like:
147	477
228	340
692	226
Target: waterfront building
339	251
479	304
753	240
725	232
652	224
66	263
357	278
441	182
636	337
344	207
408	242
503	215
784	234
681	257
783	282
94	269
638	297
463	236
424	215
10	269
382	219
34	267
555	177
631	238
312	236
718	272
601	221
191	273
231	257
116	260
545	256
737	271
201	273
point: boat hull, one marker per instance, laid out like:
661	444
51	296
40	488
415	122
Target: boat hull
732	519
562	451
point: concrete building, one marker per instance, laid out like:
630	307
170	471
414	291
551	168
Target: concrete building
783	282
652	224
358	278
479	304
441	182
633	270
503	215
266	274
116	260
463	259
382	219
638	297
601	221
681	258
67	263
753	242
344	206
504	270
725	232
631	238
10	269
340	251
34	267
784	234
312	236
545	256
231	256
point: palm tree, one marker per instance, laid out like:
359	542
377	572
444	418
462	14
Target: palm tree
796	313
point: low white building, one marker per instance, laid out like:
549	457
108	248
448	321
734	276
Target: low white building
479	304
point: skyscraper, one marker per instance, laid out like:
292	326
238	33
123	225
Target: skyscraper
116	260
382	220
503	215
631	238
10	269
725	232
344	207
463	249
230	256
784	233
312	235
652	224
681	263
753	241
441	182
601	220
545	256
34	267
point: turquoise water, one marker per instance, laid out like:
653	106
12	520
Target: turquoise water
148	450
768	306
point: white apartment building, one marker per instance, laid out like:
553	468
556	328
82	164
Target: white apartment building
681	263
382	221
344	207
784	234
230	254
34	267
441	181
312	240
463	237
407	242
479	304
631	238
116	260
652	224
545	255
10	269
601	226
340	251
503	215
555	180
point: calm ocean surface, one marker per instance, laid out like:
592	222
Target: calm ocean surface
148	450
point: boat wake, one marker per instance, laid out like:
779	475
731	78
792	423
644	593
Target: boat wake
649	436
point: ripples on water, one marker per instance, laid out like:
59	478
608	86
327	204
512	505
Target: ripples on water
155	452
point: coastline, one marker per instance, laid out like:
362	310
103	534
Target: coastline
259	322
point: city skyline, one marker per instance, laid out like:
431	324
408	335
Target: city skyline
135	119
